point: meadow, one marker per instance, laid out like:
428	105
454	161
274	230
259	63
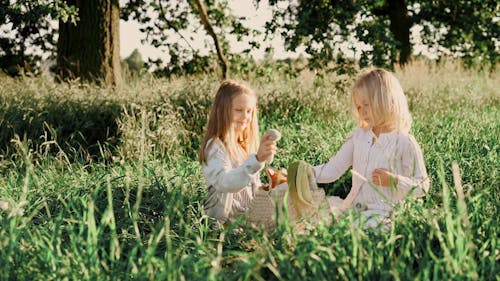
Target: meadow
98	184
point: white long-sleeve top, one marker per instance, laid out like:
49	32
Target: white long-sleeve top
395	151
230	184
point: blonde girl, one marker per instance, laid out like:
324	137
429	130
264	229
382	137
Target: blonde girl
231	154
387	162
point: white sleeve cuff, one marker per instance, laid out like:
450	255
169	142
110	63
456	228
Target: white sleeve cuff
252	165
408	186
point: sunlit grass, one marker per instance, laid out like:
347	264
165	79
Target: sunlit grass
99	185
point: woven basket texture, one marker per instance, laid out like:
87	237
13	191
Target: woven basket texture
266	208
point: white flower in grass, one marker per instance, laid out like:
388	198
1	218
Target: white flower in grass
4	205
17	209
13	208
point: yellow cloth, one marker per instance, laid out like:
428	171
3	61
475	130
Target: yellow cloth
300	174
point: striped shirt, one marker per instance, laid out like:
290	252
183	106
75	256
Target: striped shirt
395	151
231	185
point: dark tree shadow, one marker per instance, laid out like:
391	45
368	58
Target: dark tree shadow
77	128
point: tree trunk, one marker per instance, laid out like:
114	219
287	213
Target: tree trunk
90	50
208	27
400	27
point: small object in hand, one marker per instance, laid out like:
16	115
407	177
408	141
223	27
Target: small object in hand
273	134
274	177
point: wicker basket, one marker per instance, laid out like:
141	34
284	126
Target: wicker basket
267	207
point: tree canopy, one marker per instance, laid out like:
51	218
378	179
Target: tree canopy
466	29
173	25
378	32
27	33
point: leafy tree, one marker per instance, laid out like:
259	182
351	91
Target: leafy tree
467	29
134	62
26	33
87	47
170	25
88	42
90	49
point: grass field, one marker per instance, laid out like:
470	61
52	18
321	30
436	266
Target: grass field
104	185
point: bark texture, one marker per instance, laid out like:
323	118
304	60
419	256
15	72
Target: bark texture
90	50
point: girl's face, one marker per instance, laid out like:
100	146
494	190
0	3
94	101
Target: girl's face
364	109
242	110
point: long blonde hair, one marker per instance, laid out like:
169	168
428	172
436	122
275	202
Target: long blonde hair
220	124
386	97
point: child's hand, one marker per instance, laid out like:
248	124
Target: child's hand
384	178
266	186
267	149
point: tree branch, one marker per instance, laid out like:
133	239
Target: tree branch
220	53
164	16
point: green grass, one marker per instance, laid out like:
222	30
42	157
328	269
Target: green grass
103	185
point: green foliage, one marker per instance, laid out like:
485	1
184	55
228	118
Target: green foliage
28	23
138	214
466	29
166	24
328	30
181	66
472	29
134	63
